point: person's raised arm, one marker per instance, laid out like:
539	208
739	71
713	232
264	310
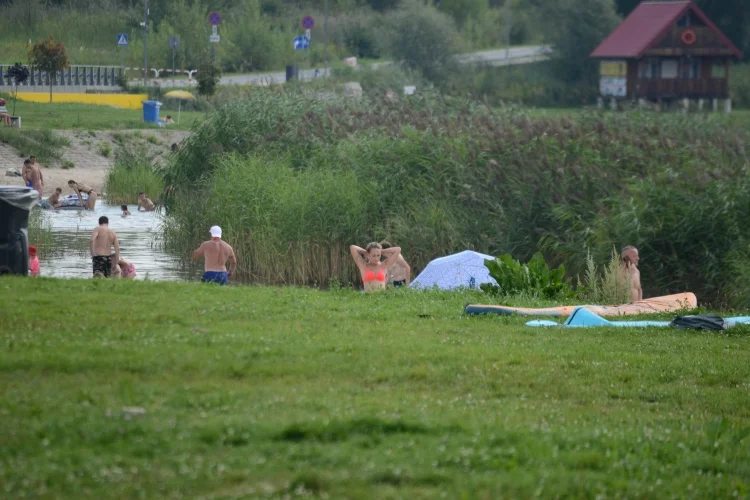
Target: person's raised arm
232	262
198	253
407	268
116	243
358	254
392	254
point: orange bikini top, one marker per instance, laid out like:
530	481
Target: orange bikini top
371	276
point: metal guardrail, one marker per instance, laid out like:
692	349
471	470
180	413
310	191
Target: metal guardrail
78	75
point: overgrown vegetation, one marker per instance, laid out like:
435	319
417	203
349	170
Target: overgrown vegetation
287	392
132	173
295	180
534	278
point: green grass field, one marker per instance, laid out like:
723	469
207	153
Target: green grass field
65	116
251	391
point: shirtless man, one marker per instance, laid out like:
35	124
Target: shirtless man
145	203
102	241
216	254
399	273
630	259
80	187
34	174
54	200
26	173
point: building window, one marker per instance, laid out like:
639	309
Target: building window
669	68
648	69
690	68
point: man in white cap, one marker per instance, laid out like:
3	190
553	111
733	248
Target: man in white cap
216	252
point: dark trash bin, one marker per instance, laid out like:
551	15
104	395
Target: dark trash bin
15	204
291	73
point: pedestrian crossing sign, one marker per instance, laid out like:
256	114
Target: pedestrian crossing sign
122	39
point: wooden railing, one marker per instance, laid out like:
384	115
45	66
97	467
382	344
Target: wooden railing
678	88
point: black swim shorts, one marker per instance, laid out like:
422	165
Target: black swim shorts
102	265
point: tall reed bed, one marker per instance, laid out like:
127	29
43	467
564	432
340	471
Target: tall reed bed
132	173
40	229
437	175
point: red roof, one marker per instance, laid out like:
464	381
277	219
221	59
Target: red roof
646	24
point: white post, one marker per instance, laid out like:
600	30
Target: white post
599	103
715	104
700	104
641	103
685	105
727	105
613	103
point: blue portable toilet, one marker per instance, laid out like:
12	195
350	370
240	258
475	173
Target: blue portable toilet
151	111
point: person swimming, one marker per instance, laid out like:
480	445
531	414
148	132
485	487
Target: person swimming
371	268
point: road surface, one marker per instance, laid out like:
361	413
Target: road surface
498	57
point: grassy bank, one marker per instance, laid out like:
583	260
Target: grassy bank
269	391
45	144
65	116
295	180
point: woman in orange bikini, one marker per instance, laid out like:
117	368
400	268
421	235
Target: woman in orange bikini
371	267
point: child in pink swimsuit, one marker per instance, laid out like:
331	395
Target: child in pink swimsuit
34	269
127	269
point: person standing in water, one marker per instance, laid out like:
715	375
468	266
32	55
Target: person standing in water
145	203
399	275
102	241
78	188
216	253
629	257
370	266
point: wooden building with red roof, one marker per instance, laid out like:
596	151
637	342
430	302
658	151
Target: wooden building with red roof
666	50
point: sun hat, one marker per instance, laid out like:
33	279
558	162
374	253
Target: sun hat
215	232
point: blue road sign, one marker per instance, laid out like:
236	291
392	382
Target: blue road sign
308	23
214	18
301	43
122	39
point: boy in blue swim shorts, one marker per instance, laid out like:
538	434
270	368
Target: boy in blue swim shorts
215	253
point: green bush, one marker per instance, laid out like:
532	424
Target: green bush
105	149
576	28
534	278
208	78
358	33
423	39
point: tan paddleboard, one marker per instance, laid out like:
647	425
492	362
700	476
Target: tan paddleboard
668	303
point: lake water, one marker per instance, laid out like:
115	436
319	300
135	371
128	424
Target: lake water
140	243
